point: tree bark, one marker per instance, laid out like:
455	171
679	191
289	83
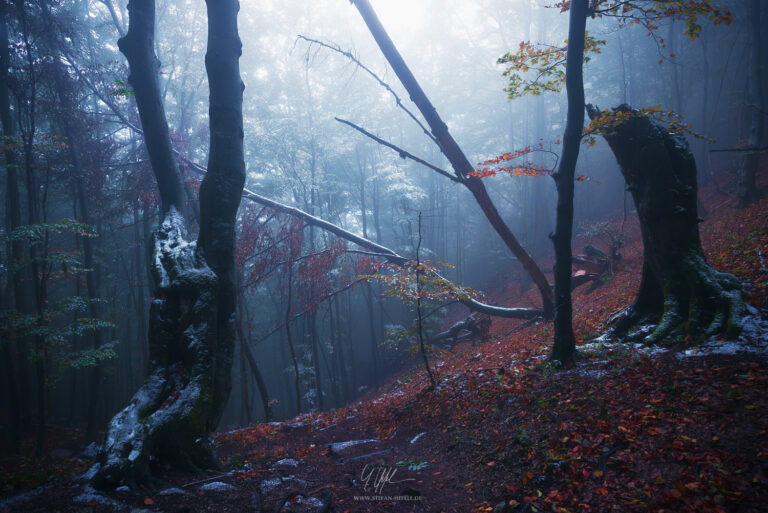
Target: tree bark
191	332
18	389
746	188
39	297
222	187
138	48
564	341
245	347
679	289
290	339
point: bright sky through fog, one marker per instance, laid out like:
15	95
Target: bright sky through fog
401	15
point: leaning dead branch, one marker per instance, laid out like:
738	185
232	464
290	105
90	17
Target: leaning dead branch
403	154
448	146
376	249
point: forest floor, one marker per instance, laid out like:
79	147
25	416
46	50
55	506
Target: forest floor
627	428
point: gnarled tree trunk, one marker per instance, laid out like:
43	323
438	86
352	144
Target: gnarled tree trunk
191	332
679	291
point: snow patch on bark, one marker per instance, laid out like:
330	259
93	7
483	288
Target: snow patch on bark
88	475
91	451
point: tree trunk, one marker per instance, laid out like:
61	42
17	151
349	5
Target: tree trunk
244	334
368	293
312	321
222	187
290	339
139	277
191	331
38	282
90	281
22	415
746	188
138	48
679	289
565	344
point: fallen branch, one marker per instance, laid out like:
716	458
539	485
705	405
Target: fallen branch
365	456
448	146
377	249
601	464
224	474
476	328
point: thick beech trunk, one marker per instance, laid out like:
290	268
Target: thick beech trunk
679	291
138	48
191	331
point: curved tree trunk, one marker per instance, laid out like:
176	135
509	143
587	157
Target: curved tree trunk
191	332
679	291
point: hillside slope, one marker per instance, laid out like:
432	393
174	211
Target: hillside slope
680	429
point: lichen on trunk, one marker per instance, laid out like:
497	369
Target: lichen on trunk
191	332
167	418
680	292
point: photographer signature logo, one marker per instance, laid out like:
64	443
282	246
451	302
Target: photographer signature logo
375	476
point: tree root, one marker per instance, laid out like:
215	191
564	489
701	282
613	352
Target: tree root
167	418
701	302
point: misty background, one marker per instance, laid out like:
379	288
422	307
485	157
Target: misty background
347	343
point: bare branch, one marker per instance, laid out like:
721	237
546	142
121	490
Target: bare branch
308	309
383	84
744	150
403	154
375	249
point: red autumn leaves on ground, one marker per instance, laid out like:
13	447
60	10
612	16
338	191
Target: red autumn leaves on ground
621	431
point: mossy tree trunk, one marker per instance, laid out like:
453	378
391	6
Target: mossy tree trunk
191	331
679	291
